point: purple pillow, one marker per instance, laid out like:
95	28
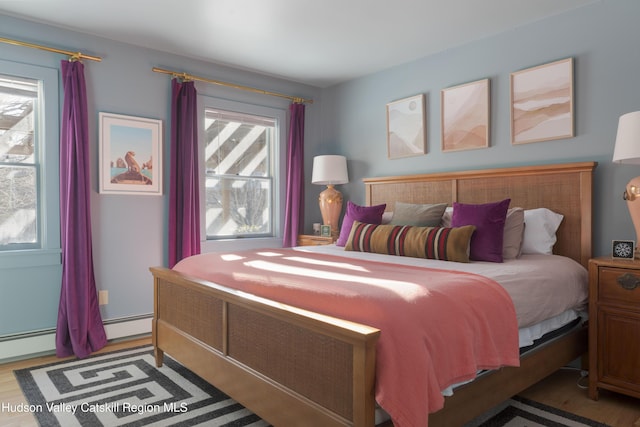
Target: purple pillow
366	214
489	219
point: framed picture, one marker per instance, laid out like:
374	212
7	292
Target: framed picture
406	134
542	103
624	249
130	155
465	116
325	230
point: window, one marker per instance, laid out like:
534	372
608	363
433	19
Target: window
18	165
239	174
29	208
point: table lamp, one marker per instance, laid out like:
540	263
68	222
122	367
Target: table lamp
330	170
627	150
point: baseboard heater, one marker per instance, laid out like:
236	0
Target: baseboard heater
39	343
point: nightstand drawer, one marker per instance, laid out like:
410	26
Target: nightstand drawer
619	285
313	240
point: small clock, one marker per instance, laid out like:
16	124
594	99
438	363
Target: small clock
623	249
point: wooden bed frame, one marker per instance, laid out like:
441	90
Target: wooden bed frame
295	367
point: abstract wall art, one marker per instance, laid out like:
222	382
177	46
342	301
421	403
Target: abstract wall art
465	116
542	103
406	133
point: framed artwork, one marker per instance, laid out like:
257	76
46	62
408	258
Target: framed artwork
406	134
465	116
542	103
130	155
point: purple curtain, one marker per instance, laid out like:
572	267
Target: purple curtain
184	195
79	329
294	206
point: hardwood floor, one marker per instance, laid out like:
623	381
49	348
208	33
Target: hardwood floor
560	390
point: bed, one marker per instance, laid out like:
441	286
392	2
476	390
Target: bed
251	347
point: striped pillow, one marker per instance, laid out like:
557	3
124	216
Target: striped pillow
445	244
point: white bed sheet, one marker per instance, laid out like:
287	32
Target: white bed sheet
541	286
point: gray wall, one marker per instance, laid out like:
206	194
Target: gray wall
129	232
603	40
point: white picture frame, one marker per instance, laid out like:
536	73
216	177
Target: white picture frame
130	157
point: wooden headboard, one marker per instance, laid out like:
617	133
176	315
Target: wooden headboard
563	188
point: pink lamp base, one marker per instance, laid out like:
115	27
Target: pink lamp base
633	203
330	201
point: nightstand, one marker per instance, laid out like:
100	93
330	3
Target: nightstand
614	326
313	240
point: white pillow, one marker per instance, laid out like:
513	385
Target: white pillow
540	231
386	217
446	217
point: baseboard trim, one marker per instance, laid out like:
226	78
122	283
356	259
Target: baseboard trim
44	343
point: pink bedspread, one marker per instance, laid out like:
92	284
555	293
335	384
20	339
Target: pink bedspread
438	327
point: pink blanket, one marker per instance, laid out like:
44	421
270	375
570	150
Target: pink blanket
438	327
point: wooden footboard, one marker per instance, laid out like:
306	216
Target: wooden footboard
283	363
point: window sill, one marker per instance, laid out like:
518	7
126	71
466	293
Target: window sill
240	244
30	258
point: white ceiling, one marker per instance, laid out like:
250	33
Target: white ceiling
317	42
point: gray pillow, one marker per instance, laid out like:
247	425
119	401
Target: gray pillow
428	215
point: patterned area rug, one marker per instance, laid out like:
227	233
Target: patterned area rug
124	388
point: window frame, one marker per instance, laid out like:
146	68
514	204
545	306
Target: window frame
278	151
47	153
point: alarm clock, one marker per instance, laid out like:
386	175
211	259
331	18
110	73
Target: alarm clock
623	249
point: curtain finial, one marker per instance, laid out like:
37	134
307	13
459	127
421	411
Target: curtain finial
184	77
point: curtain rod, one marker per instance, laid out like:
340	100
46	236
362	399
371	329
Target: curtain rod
74	56
186	76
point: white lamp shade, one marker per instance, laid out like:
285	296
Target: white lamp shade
329	170
627	148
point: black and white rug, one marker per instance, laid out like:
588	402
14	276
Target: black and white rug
125	388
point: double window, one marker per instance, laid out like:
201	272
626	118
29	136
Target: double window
240	186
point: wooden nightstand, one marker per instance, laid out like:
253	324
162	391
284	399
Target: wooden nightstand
313	240
614	326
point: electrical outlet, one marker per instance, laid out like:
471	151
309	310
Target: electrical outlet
103	297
